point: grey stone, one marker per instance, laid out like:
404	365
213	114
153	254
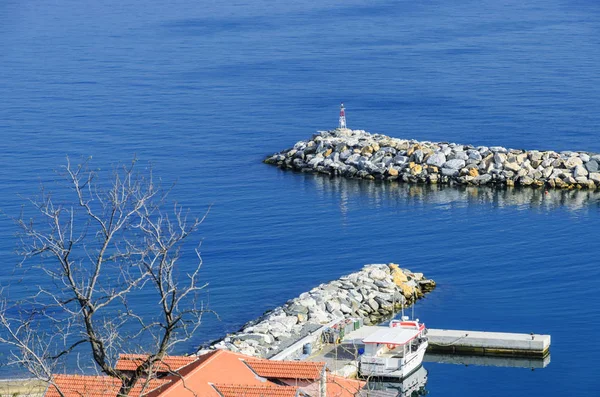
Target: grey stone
525	180
474	155
594	176
573	162
592	166
580	171
373	304
399	160
482	179
498	149
377	274
461	156
515	167
264	339
436	159
332	305
499	158
449	171
454	164
417	156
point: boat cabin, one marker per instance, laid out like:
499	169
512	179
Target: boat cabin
389	351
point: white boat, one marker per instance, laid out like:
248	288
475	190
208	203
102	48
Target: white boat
396	351
413	385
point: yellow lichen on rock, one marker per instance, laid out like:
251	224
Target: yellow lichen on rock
367	150
416	170
407	290
328	152
473	172
399	276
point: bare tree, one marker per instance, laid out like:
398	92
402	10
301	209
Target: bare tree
107	249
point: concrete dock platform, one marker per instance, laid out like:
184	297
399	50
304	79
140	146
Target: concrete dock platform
478	343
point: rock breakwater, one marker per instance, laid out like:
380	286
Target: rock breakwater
374	293
359	154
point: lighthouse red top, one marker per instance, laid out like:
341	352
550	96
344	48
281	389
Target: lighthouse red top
342	116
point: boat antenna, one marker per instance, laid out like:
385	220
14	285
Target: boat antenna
402	304
413	306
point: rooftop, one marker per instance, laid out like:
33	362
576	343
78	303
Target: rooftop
392	336
130	362
286	369
97	386
256	391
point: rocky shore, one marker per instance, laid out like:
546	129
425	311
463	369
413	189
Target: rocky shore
374	293
359	154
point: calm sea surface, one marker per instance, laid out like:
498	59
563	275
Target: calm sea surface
205	89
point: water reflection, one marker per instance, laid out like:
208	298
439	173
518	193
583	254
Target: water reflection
389	193
533	363
412	385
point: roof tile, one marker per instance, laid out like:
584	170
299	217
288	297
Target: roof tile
97	386
286	369
130	362
256	391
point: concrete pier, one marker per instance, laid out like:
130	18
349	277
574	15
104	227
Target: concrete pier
477	343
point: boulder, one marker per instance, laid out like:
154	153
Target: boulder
332	305
580	171
594	176
573	162
499	158
450	171
378	274
373	304
482	179
512	166
437	159
592	166
455	164
263	339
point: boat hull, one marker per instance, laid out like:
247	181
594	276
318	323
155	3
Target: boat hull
389	367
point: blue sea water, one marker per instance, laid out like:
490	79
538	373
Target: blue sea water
204	90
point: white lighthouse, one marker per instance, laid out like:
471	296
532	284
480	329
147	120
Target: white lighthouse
342	116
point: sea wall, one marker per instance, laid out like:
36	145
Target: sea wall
359	154
372	294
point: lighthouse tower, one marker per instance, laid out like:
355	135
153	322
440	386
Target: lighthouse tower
342	116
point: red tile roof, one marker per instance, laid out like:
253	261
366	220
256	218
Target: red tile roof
306	370
338	386
130	362
256	391
97	386
217	367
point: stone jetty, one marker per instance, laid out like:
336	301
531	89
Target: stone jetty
359	154
374	293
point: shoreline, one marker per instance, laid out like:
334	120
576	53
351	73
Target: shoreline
372	295
358	154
